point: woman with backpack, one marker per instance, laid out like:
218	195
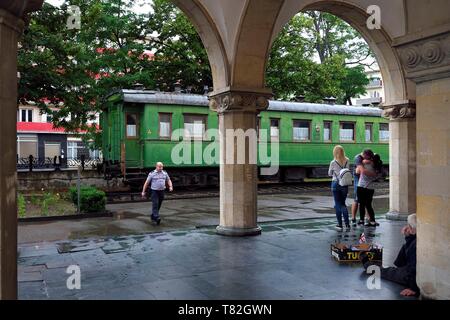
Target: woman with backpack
339	170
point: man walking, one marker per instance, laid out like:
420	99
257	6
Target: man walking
157	179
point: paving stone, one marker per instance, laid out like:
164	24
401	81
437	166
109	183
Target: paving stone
289	262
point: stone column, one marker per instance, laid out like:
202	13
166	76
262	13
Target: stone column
427	62
237	111
402	159
10	29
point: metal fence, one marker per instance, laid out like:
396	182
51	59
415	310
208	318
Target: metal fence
31	163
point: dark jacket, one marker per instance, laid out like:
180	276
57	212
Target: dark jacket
407	260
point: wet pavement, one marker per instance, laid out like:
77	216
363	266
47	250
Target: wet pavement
289	260
134	218
125	257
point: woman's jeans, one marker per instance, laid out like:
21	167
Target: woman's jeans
340	195
365	197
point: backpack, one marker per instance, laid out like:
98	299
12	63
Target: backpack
345	177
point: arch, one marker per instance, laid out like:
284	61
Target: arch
397	87
211	39
262	20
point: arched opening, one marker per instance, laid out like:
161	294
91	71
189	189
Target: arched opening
397	87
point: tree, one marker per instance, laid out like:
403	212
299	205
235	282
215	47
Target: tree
115	48
318	55
179	52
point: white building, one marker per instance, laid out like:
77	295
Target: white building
375	90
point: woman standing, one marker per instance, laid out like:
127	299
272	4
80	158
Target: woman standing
368	171
339	162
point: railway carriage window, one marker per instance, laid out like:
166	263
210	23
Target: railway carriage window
327	131
347	132
194	126
164	125
274	129
368	132
384	132
301	130
131	125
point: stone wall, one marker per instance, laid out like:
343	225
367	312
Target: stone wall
433	188
64	179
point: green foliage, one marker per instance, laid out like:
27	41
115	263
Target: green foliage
48	199
318	55
111	50
91	199
315	55
21	205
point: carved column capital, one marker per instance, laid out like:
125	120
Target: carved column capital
425	59
243	101
401	110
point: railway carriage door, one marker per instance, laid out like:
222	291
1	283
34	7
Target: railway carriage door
132	150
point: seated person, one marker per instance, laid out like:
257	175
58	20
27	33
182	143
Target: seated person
404	271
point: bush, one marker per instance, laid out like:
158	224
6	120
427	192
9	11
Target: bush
21	205
48	199
91	199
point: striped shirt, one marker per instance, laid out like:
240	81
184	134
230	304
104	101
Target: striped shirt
367	181
158	179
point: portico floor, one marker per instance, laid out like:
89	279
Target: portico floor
290	260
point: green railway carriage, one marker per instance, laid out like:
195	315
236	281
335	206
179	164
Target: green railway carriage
142	127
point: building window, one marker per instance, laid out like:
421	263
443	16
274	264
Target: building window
274	129
347	132
52	149
368	132
75	149
327	131
165	123
194	126
384	132
26	115
301	130
131	125
94	154
26	146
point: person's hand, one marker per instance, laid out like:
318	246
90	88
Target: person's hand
408	293
143	194
406	231
170	189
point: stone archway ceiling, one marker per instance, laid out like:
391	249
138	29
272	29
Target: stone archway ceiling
245	30
21	7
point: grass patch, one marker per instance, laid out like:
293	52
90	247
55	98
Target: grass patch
44	204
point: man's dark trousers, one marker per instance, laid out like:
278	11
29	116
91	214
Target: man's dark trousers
157	200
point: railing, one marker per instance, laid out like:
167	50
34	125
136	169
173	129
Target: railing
375	83
31	163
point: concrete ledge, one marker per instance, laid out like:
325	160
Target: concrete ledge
238	232
397	216
68	217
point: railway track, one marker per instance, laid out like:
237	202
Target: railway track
305	187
